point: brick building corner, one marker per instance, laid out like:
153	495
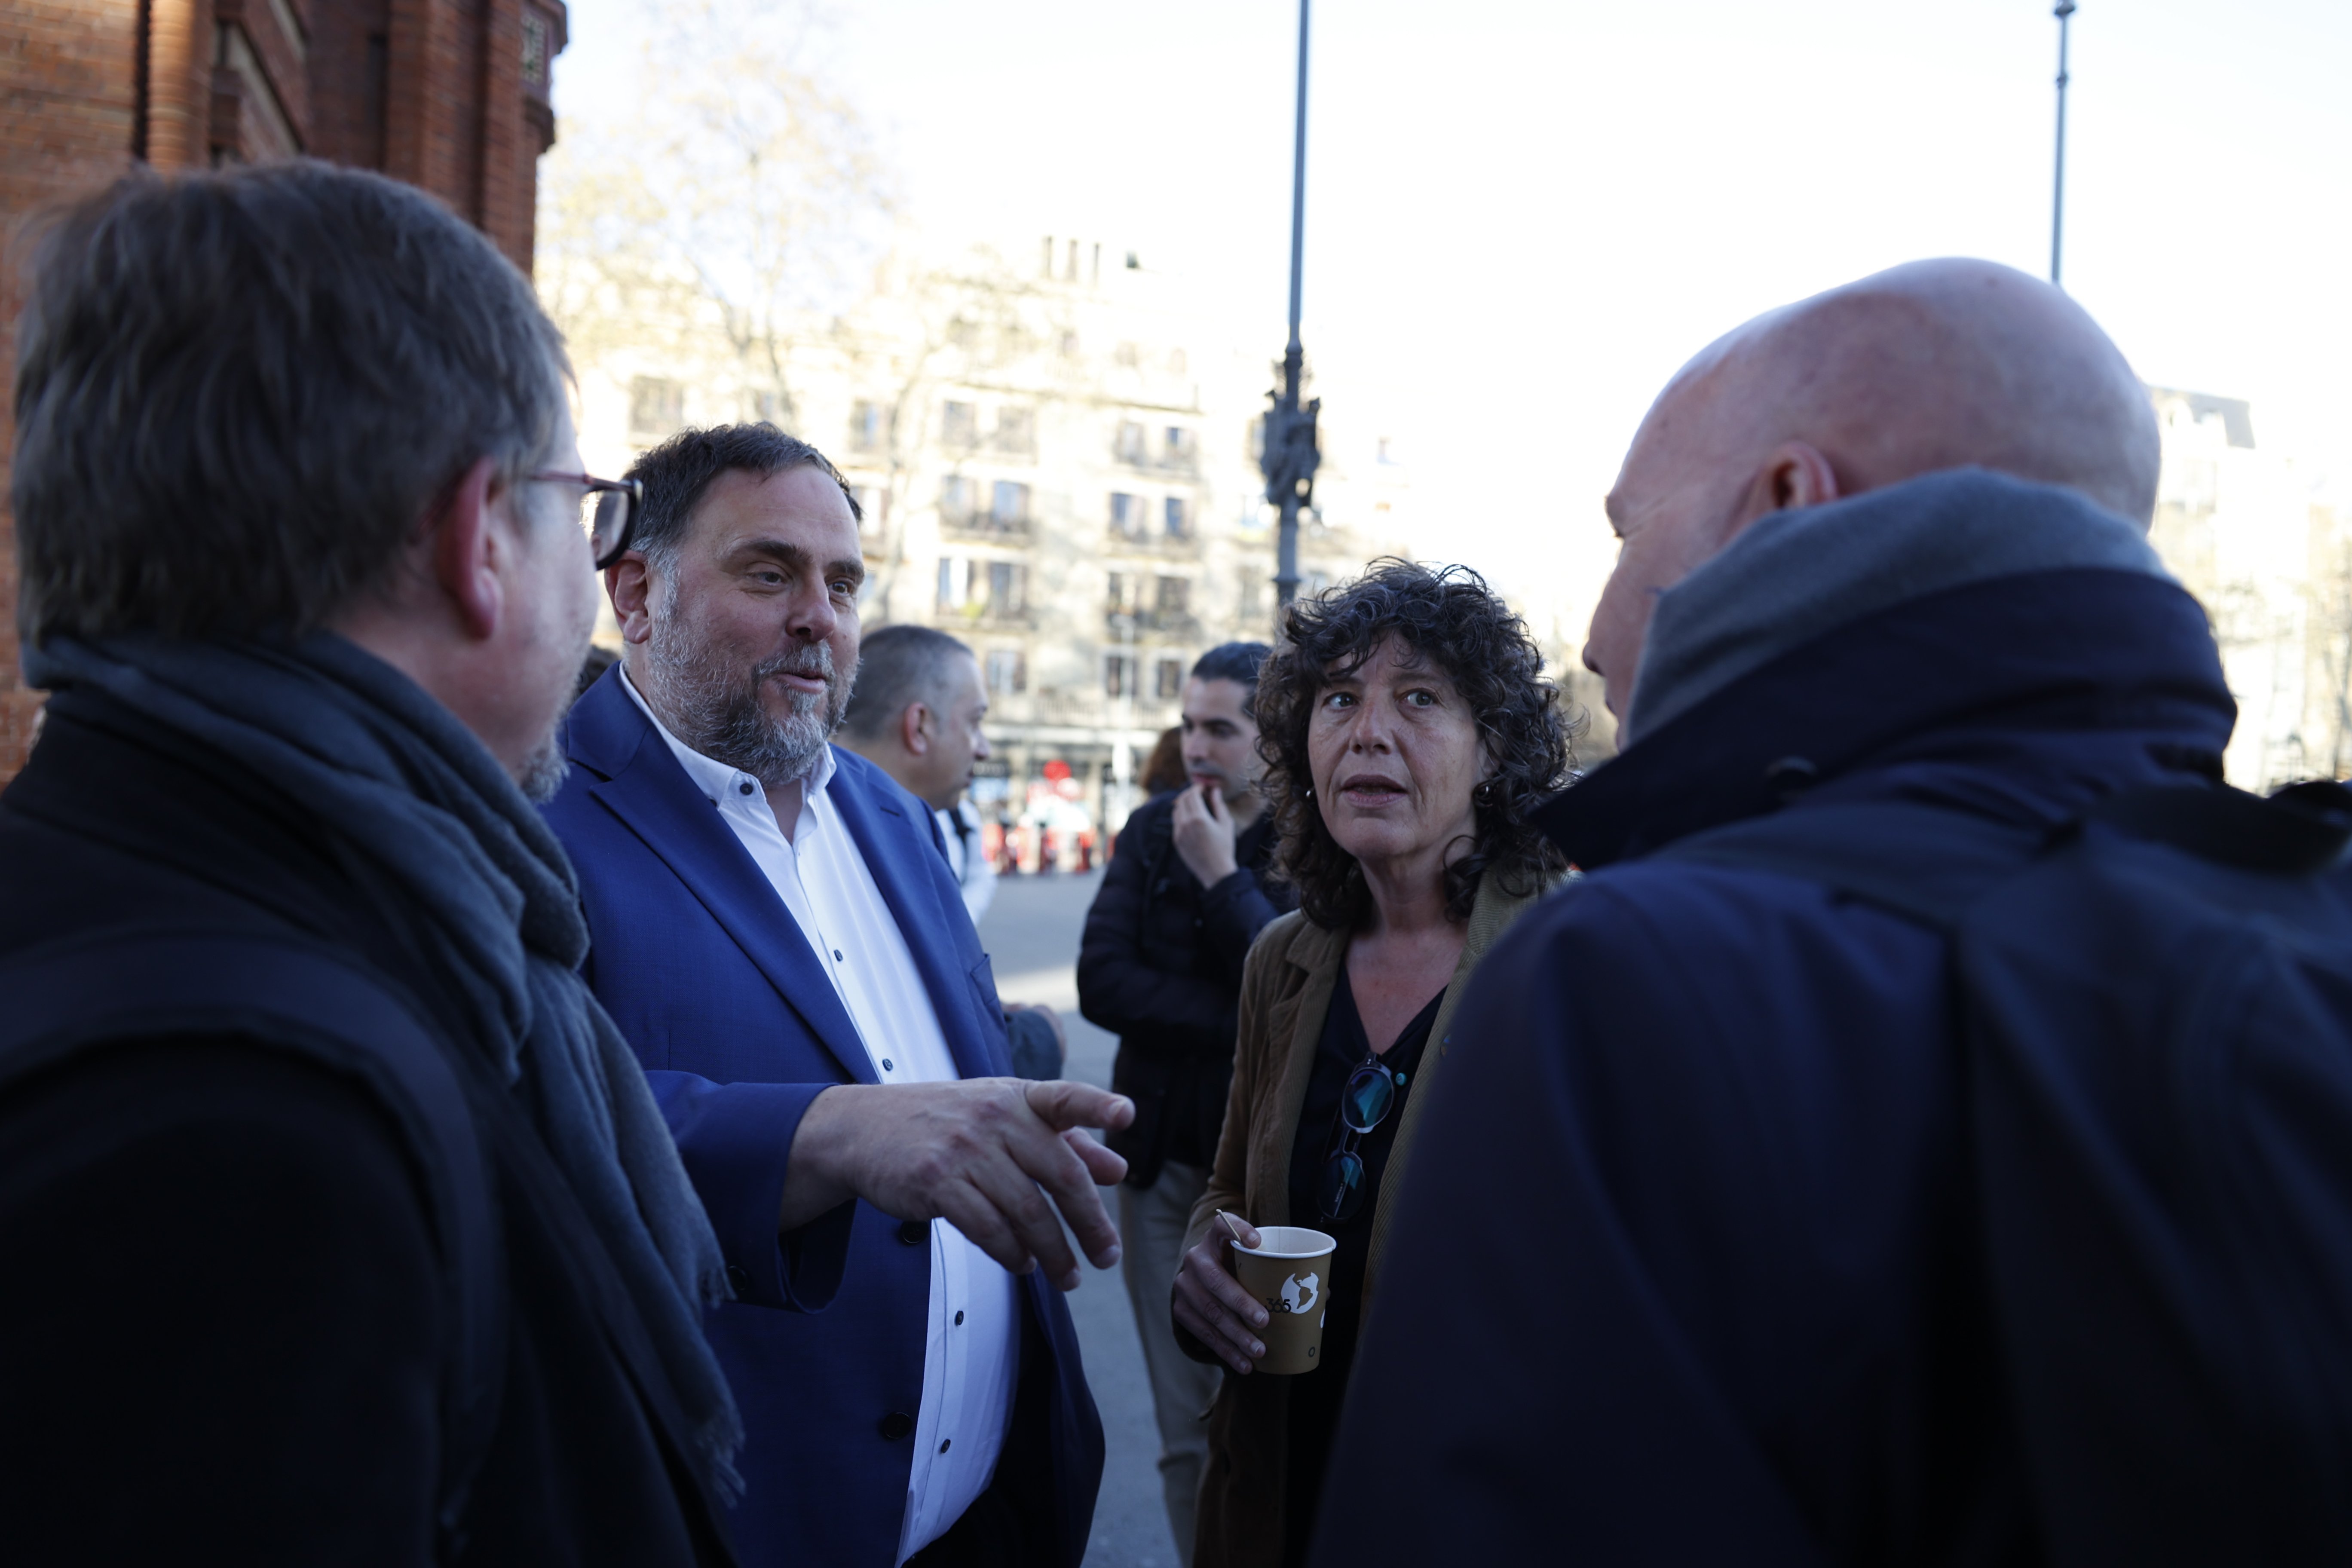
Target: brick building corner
449	95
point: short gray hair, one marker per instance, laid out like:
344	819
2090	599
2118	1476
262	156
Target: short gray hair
240	392
897	666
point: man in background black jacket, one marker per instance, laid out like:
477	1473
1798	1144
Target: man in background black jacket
1161	966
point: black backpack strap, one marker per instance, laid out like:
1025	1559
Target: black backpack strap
1925	861
278	990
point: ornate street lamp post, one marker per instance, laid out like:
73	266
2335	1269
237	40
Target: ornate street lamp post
1289	455
2064	12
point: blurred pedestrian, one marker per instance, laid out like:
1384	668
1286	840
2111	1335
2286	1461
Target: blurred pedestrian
780	940
1408	732
916	713
1165	769
338	1226
1740	1237
1186	894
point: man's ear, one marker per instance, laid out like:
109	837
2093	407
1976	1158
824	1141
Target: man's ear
467	552
1795	474
915	729
628	583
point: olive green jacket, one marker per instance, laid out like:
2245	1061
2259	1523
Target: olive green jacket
1286	994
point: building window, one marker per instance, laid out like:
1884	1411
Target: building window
534	49
1126	356
873	507
957	496
869	424
1178	518
1008	670
1129	445
1168	681
1179	451
1118	675
959	425
1008	505
1172	595
657	407
1121	585
1016	431
955	582
1008	587
1126	515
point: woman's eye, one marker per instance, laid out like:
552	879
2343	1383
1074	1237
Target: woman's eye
1422	698
1338	699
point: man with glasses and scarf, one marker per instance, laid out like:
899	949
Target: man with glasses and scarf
778	936
337	1222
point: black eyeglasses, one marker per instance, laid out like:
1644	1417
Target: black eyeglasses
608	511
1364	1104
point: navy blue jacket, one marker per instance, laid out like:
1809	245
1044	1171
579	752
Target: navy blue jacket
699	962
1684	1269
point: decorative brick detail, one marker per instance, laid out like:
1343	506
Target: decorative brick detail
431	92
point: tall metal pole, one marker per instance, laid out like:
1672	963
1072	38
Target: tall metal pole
2064	12
1290	456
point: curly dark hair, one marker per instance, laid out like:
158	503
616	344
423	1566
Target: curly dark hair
1451	618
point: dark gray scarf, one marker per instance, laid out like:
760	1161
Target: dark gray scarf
494	906
1794	575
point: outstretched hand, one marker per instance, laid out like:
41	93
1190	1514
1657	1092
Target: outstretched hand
994	1157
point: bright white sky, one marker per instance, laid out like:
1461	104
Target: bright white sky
1521	217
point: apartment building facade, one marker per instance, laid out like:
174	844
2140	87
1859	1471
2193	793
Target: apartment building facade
1057	462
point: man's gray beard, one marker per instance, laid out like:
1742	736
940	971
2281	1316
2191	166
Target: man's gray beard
719	713
543	771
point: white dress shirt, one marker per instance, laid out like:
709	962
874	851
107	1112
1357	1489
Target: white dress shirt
971	1355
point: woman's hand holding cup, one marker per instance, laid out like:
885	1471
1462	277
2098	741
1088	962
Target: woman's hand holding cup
1210	1303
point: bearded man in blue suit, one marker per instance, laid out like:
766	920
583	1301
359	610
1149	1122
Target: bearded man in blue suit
777	933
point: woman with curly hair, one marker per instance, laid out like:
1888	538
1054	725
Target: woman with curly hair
1408	733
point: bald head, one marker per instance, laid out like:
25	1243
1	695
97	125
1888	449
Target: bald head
1932	365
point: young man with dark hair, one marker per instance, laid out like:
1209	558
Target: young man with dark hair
779	937
338	1223
1160	964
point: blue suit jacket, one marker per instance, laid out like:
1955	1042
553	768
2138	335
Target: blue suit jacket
699	963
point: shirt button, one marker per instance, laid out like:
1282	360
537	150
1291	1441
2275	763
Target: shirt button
895	1426
913	1232
740	1279
959	1320
887	1066
836	956
744	787
943	1443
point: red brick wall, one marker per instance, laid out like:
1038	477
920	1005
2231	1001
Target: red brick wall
69	111
431	92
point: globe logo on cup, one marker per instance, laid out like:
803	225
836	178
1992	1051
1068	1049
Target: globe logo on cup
1289	1270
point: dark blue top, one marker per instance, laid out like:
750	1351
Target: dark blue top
1315	1396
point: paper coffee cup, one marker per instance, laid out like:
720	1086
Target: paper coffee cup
1289	1271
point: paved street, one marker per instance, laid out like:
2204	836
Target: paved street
1031	935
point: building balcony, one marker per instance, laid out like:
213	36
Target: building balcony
1180	626
985	525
